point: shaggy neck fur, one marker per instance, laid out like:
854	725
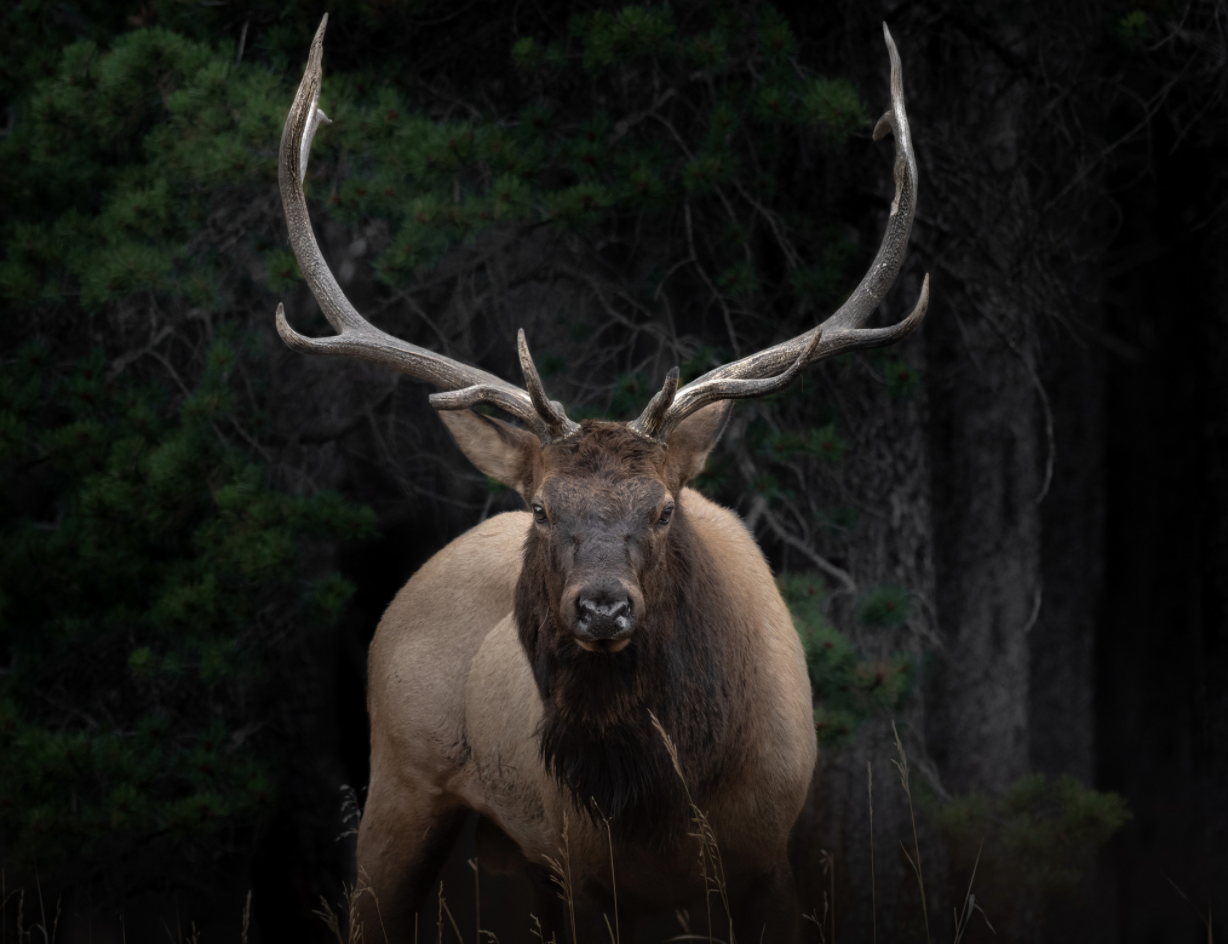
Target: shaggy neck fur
597	736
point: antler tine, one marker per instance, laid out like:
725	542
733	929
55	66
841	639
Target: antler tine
678	406
652	420
356	336
551	411
842	331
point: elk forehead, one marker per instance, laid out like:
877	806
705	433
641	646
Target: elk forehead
605	450
609	484
605	468
599	503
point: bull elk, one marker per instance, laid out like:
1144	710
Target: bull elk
519	672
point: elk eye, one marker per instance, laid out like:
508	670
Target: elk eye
666	515
539	514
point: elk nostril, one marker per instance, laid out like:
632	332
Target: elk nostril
589	608
604	619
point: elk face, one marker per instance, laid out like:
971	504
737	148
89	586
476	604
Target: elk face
601	514
604	505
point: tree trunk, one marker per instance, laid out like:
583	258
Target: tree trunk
1061	644
1212	715
987	431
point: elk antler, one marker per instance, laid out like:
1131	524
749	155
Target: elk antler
774	368
356	337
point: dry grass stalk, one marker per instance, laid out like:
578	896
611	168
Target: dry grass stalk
365	888
902	766
1207	919
873	891
477	899
970	905
711	865
353	933
351	811
38	885
614	934
818	922
353	917
561	875
247	917
50	939
671	750
445	910
829	869
537	931
326	914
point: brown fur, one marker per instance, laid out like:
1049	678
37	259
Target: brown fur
481	699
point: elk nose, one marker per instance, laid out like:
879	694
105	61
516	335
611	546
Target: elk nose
604	622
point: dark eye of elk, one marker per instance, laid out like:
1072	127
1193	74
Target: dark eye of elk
539	514
665	516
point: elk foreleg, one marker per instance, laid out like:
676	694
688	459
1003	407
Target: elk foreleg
403	840
765	907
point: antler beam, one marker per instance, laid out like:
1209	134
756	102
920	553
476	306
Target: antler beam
356	337
776	366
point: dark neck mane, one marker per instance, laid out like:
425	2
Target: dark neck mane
597	736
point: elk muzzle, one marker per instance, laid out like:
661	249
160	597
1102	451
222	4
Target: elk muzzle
604	617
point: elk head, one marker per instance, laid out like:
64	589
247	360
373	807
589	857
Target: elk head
607	524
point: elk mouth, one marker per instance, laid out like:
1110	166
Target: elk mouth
604	645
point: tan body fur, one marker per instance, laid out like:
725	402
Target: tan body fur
454	717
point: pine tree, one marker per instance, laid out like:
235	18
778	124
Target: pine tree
148	572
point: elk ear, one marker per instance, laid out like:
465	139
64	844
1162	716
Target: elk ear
504	452
691	442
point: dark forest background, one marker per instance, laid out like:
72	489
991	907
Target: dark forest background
1008	535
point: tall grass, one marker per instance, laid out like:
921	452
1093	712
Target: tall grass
345	925
615	937
1205	919
963	916
560	869
873	890
902	766
711	865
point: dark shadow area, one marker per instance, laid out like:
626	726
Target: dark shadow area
1159	661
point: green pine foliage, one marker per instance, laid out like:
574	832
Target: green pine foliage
902	378
110	185
148	570
1041	832
883	606
849	688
